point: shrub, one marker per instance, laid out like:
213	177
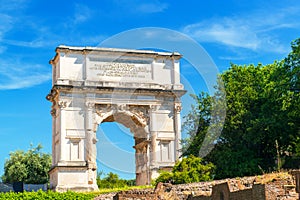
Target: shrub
112	180
40	195
188	170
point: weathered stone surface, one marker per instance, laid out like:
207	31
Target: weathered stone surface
108	196
139	89
277	186
165	191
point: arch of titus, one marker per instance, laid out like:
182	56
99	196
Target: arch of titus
140	89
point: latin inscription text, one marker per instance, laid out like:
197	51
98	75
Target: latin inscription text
127	70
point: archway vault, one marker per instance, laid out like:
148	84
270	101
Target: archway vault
148	104
136	118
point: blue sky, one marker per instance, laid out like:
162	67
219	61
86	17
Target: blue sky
236	31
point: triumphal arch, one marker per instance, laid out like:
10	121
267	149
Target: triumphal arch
140	89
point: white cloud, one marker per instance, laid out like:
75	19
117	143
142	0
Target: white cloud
256	31
226	31
18	76
25	82
5	25
31	44
13	73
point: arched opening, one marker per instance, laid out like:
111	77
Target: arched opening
127	125
115	152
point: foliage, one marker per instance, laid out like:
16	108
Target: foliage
292	69
196	121
29	167
188	170
112	180
110	190
40	195
204	122
292	66
164	177
262	126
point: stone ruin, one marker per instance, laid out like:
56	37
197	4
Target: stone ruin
140	89
277	186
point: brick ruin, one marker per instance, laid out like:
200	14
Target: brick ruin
276	186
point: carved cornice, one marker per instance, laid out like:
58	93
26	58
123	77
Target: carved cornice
131	91
52	96
135	54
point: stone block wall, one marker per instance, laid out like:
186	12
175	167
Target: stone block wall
243	194
222	192
259	192
269	187
136	194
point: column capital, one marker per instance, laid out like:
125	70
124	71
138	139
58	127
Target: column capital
90	104
154	107
63	103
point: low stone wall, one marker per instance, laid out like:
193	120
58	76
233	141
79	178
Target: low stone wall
136	194
221	191
267	187
25	187
6	187
35	187
108	196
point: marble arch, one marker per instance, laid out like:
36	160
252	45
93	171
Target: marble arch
137	88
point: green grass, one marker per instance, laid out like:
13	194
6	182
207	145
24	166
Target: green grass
109	190
41	195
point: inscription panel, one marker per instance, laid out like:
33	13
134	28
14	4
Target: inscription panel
119	71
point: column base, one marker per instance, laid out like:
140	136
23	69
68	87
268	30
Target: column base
156	168
75	178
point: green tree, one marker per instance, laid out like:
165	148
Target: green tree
262	118
112	180
249	134
29	167
188	170
292	101
292	66
196	123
